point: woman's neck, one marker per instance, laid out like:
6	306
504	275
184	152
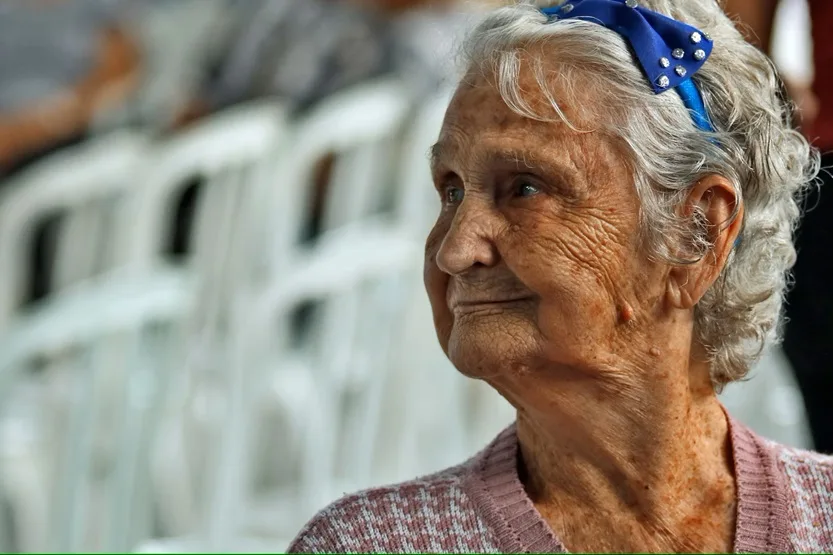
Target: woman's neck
642	466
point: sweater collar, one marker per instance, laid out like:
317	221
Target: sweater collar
495	487
762	517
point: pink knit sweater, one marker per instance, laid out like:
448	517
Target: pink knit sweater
785	504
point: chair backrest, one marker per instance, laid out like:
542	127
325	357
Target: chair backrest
224	156
341	272
418	204
221	151
360	128
108	328
359	131
227	156
81	184
363	176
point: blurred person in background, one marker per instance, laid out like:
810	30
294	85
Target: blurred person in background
306	50
597	166
808	337
63	62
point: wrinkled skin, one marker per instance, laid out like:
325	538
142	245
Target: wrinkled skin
540	285
558	237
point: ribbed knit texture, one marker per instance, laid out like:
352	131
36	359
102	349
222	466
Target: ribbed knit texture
785	504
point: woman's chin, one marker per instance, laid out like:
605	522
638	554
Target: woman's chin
487	346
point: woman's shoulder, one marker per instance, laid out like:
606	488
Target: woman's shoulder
433	513
808	479
803	468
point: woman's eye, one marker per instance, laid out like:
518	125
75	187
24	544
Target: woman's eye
454	195
526	189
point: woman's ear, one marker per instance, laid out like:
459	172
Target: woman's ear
718	203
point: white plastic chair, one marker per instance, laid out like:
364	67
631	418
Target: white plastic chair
361	128
108	317
418	203
229	154
79	182
341	267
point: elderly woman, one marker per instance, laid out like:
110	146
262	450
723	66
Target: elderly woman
619	186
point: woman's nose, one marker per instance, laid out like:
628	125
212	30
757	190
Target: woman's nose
469	241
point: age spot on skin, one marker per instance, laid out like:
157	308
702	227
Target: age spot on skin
626	313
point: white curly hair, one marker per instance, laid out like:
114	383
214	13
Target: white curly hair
754	146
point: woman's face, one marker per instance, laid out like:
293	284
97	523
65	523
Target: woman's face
535	259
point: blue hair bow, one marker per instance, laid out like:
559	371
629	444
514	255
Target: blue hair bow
669	51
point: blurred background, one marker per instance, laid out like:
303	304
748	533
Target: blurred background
212	320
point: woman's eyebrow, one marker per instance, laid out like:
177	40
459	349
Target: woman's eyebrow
525	159
561	172
519	159
435	156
